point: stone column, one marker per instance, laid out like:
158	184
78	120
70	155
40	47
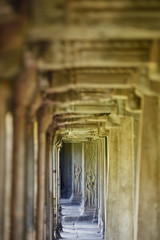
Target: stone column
54	189
83	176
101	186
120	181
137	118
99	183
44	116
111	231
24	89
3	109
106	154
148	216
8	175
29	180
19	163
31	165
58	185
125	196
49	221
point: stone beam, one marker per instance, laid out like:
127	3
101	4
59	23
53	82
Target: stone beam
90	76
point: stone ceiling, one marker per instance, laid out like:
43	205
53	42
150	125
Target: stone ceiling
95	59
95	68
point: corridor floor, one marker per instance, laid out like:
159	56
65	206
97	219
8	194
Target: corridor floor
77	226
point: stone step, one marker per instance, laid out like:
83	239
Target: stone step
76	224
72	219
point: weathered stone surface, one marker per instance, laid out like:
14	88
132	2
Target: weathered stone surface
90	176
44	122
88	70
75	226
125	207
149	172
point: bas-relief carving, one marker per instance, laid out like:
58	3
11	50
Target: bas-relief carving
77	170
90	174
90	188
77	179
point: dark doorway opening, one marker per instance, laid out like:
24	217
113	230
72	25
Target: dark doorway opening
66	170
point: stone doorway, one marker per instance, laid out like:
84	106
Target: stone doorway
78	215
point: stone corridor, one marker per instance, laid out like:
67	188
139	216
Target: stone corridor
79	119
75	225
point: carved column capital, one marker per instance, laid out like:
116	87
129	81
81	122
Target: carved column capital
149	83
112	120
34	106
26	83
45	114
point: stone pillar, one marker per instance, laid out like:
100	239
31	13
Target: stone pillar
99	183
57	182
49	195
3	109
58	185
111	231
148	216
54	189
24	89
83	176
77	171
8	175
125	196
30	165
35	133
120	182
106	154
45	115
101	180
137	118
19	164
104	169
